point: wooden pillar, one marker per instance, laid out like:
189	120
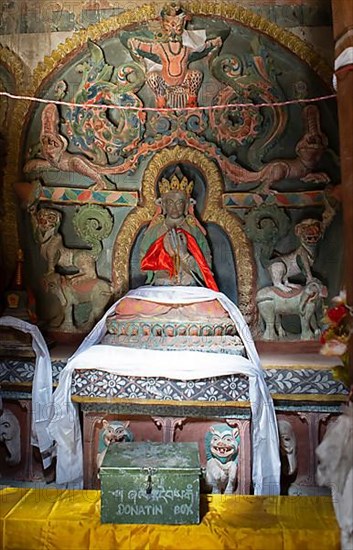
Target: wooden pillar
342	11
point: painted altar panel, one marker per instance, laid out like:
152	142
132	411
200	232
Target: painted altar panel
100	430
114	407
92	174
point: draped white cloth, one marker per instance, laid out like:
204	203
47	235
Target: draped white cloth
64	426
41	387
345	58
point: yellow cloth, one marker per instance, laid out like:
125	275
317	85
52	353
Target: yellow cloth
61	520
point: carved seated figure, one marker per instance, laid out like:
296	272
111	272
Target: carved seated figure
174	252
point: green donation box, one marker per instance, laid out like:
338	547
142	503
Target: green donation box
147	482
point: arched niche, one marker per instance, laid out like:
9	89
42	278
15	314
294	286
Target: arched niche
223	227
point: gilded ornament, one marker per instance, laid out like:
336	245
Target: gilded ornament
213	213
175	184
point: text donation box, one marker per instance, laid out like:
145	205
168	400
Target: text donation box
146	482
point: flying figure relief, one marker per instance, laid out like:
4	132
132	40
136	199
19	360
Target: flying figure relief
167	57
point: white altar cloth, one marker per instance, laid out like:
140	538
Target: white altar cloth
41	387
64	426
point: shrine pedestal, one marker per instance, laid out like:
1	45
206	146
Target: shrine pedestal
304	392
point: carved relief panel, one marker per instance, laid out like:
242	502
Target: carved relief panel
216	97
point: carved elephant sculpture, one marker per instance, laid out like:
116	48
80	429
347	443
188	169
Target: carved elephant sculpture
10	436
287	448
273	303
95	293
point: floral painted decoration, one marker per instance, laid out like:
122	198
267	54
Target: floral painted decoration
338	322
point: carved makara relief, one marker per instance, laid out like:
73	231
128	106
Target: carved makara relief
100	134
309	151
53	152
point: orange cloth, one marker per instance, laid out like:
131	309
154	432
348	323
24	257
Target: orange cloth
134	308
157	258
34	519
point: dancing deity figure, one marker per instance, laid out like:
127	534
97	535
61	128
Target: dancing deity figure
174	84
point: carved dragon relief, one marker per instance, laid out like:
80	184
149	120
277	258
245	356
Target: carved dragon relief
97	133
248	79
310	148
112	140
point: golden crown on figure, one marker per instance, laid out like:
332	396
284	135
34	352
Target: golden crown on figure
176	184
173	9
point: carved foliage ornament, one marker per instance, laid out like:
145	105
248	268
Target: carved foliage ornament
93	223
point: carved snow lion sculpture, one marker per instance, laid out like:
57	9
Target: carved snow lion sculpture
309	232
222	447
112	432
335	470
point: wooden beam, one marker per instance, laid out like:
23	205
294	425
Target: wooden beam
342	11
